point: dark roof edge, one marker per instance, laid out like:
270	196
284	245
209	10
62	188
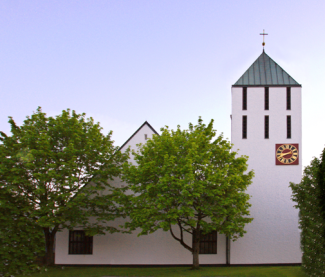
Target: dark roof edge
119	150
266	86
145	123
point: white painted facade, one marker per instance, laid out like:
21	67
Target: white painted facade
158	248
273	236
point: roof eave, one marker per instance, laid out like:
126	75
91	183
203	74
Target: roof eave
267	85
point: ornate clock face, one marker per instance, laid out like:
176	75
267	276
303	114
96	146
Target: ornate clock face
286	154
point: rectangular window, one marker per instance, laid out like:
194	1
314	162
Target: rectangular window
79	243
244	98
266	127
266	98
288	98
289	126
244	126
208	243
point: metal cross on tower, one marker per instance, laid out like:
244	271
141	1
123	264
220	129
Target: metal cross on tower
263	34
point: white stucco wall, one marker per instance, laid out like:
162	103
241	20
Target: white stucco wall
128	249
273	236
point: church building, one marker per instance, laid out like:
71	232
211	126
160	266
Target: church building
266	126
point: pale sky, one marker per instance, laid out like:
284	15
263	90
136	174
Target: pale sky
167	62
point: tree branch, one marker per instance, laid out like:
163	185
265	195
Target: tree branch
181	241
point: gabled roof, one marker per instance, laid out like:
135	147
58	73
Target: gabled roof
265	72
145	123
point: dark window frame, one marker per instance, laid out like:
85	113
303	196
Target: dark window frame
288	98
266	127
244	127
288	126
266	98
79	243
244	98
209	243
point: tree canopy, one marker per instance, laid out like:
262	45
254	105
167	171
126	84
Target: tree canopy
190	179
309	196
60	166
21	240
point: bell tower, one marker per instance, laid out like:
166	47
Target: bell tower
266	126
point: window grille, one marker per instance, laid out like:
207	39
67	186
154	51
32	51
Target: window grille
79	243
208	243
288	98
266	126
289	126
244	98
244	127
266	98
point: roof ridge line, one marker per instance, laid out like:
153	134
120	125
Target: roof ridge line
145	123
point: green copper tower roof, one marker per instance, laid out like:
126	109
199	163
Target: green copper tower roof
265	72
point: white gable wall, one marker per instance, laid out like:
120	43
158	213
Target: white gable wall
273	236
139	137
128	249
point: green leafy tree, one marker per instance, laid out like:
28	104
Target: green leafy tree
189	179
49	160
20	238
321	184
309	196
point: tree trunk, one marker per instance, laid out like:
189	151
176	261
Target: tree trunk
49	242
227	251
196	250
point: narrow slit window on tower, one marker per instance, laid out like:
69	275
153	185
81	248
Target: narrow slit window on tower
145	136
244	98
266	126
288	98
244	126
266	98
289	126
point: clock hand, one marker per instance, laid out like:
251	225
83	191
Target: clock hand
284	154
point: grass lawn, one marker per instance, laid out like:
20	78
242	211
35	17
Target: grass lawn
256	271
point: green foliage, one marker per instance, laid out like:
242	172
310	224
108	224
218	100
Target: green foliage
321	183
21	240
189	179
47	162
307	195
